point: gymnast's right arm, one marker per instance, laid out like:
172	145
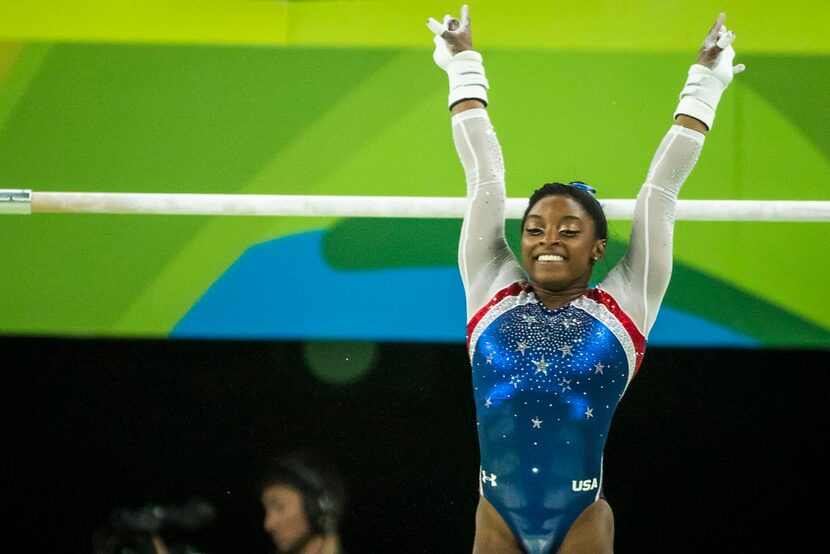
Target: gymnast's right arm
485	260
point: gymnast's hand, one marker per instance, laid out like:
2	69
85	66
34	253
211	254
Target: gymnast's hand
454	54
717	53
451	37
708	77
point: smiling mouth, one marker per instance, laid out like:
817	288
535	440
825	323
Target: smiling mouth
549	258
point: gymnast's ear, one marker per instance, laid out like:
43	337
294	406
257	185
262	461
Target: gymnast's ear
599	249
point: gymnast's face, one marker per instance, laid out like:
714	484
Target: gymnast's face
559	243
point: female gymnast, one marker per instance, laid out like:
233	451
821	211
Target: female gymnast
551	358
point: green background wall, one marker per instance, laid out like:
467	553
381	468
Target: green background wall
343	98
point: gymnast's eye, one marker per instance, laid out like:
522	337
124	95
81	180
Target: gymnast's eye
569	232
533	231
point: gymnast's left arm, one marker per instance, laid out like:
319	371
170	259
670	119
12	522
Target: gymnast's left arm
639	281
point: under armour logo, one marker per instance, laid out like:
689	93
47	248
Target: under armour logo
491	479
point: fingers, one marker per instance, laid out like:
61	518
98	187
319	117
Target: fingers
435	27
726	38
439	28
714	32
718	23
450	23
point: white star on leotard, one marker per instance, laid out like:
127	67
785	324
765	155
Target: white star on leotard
566	350
488	402
589	413
537	423
514	380
598	367
521	347
541	365
489	359
565	384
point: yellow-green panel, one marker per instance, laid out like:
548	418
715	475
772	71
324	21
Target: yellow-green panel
762	25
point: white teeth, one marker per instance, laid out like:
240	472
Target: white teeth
550	258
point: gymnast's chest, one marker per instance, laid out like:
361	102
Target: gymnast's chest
532	348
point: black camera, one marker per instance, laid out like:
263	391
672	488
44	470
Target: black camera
155	528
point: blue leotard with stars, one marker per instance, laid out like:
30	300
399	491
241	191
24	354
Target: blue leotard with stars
546	382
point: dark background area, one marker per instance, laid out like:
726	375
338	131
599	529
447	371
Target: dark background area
710	450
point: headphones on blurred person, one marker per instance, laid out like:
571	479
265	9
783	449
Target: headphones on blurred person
322	489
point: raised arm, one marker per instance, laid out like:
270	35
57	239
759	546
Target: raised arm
639	281
485	260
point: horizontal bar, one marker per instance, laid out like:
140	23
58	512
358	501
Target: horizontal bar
389	206
15	202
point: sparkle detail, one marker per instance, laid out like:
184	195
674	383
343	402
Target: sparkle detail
507	304
604	315
541	365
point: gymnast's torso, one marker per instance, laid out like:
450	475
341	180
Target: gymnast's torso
546	382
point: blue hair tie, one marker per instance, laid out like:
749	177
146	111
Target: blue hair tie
583	186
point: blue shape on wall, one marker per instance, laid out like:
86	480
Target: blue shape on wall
284	290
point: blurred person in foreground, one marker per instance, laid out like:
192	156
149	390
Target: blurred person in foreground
303	497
